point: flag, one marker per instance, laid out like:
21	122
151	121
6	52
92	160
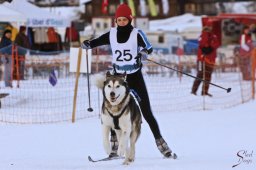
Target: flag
143	8
131	5
179	51
165	7
152	8
52	78
104	7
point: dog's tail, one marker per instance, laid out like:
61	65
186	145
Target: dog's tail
98	80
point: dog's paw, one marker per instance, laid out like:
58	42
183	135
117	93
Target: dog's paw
127	161
131	159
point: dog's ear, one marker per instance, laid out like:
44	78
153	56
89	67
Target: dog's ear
108	74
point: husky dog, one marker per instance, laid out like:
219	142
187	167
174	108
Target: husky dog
121	112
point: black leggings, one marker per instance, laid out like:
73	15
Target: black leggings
137	83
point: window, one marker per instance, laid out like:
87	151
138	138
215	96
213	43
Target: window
105	26
161	39
98	25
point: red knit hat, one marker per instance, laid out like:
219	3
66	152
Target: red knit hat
124	10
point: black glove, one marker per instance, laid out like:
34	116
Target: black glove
207	50
142	55
86	45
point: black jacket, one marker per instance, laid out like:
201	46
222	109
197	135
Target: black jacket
123	34
5	46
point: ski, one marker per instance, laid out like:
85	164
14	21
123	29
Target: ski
105	159
173	156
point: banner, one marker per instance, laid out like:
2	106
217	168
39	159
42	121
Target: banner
143	8
53	78
104	7
165	4
152	8
47	22
131	5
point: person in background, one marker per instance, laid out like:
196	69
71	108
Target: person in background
245	53
54	39
208	44
23	45
6	52
13	29
72	36
253	32
129	46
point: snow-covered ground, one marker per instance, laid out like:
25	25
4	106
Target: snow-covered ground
203	140
213	139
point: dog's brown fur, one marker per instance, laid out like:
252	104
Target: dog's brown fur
119	102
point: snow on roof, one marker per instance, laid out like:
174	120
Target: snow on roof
36	16
84	1
181	23
9	15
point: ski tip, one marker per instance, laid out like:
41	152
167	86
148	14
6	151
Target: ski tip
174	156
105	159
90	159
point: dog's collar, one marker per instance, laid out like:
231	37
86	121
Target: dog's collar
116	117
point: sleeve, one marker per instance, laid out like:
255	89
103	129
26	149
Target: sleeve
102	40
18	40
243	44
66	39
215	43
143	42
1	45
204	40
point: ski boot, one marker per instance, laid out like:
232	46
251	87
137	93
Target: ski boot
164	149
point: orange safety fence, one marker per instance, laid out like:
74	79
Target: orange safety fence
35	99
253	61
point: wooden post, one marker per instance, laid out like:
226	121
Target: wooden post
253	61
76	85
240	77
203	86
179	67
12	60
17	66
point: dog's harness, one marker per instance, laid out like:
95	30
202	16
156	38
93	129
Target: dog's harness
116	118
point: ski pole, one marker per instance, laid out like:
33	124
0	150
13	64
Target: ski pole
88	82
227	89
